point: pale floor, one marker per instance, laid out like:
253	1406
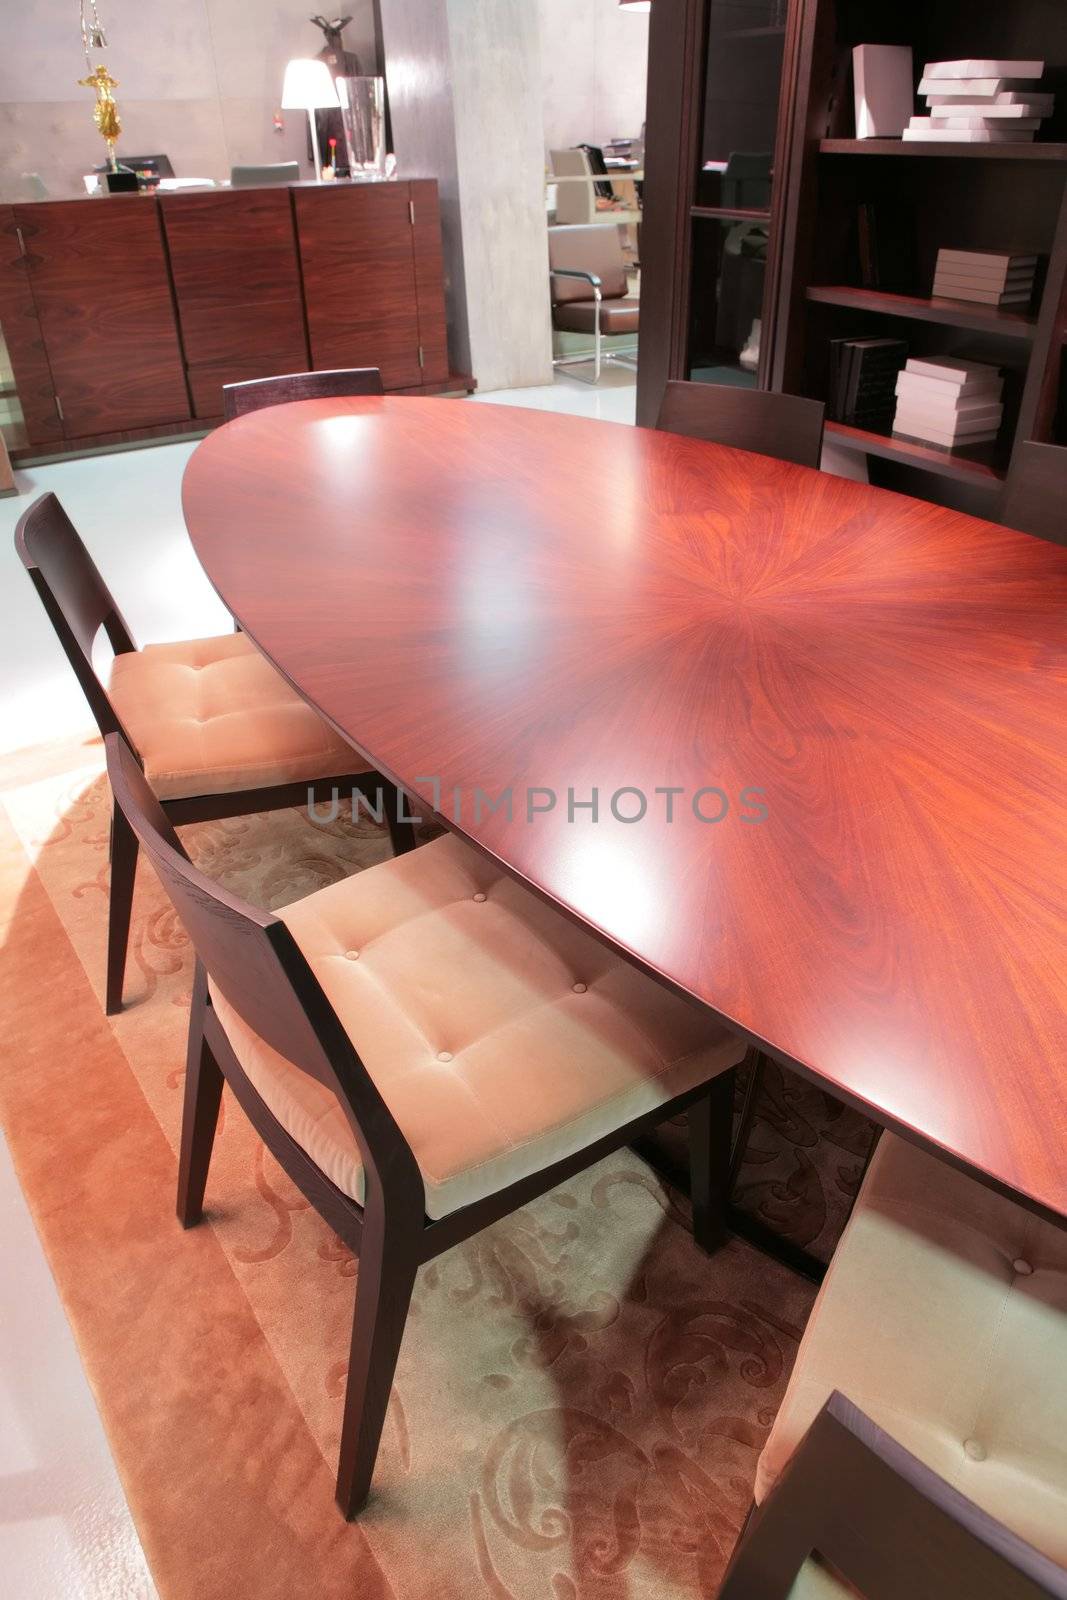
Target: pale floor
65	1531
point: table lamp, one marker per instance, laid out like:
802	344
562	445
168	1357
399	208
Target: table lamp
309	87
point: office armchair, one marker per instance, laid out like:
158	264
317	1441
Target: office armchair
587	283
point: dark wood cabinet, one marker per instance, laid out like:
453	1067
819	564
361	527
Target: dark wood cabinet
124	317
359	278
98	274
237	288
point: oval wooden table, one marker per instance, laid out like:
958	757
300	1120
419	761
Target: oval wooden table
501	599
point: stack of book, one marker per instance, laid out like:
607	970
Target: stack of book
862	374
981	102
992	279
945	401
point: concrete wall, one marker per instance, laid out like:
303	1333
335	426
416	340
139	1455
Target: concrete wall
198	79
464	80
594	57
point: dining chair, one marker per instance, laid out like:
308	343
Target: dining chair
240	398
855	1514
275	174
1034	499
424	1047
218	731
944	1316
589	292
783	425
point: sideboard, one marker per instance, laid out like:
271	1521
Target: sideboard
125	316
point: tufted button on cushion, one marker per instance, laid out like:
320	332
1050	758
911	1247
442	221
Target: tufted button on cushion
208	716
533	1074
926	1323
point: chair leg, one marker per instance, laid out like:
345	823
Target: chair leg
710	1131
123	871
401	832
387	1266
200	1114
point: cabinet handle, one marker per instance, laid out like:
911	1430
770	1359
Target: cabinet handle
59	409
411	211
21	240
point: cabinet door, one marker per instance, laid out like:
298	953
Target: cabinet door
237	287
100	283
21	334
357	257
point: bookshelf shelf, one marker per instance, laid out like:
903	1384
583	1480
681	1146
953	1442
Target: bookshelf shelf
949	313
977	470
919	147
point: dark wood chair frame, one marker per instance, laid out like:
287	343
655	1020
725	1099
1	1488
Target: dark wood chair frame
239	399
1034	499
79	604
784	425
883	1521
789	427
255	962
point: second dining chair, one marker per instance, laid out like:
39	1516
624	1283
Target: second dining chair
219	731
943	1316
783	425
335	384
424	1047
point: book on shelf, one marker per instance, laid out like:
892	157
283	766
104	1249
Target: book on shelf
986	263
981	297
985	390
976	280
994	91
983	69
862	376
946	401
886	239
980	108
882	76
986	279
923	130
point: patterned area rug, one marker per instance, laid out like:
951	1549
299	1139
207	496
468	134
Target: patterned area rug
581	1396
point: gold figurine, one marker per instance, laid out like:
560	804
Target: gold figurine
105	112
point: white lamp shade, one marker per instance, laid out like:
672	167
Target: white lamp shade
308	86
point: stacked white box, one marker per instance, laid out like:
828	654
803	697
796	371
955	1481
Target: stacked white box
945	401
981	102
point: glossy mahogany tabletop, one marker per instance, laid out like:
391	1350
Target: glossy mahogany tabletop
509	599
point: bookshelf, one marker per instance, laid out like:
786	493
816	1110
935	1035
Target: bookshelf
1009	198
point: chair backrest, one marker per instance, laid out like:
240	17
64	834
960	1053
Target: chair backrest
261	177
595	248
253	960
782	425
240	398
576	200
75	596
1035	496
882	1520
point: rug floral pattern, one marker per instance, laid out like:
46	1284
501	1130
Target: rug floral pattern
582	1395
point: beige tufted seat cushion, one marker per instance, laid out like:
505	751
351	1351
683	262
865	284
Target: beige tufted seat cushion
208	716
944	1318
502	1037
